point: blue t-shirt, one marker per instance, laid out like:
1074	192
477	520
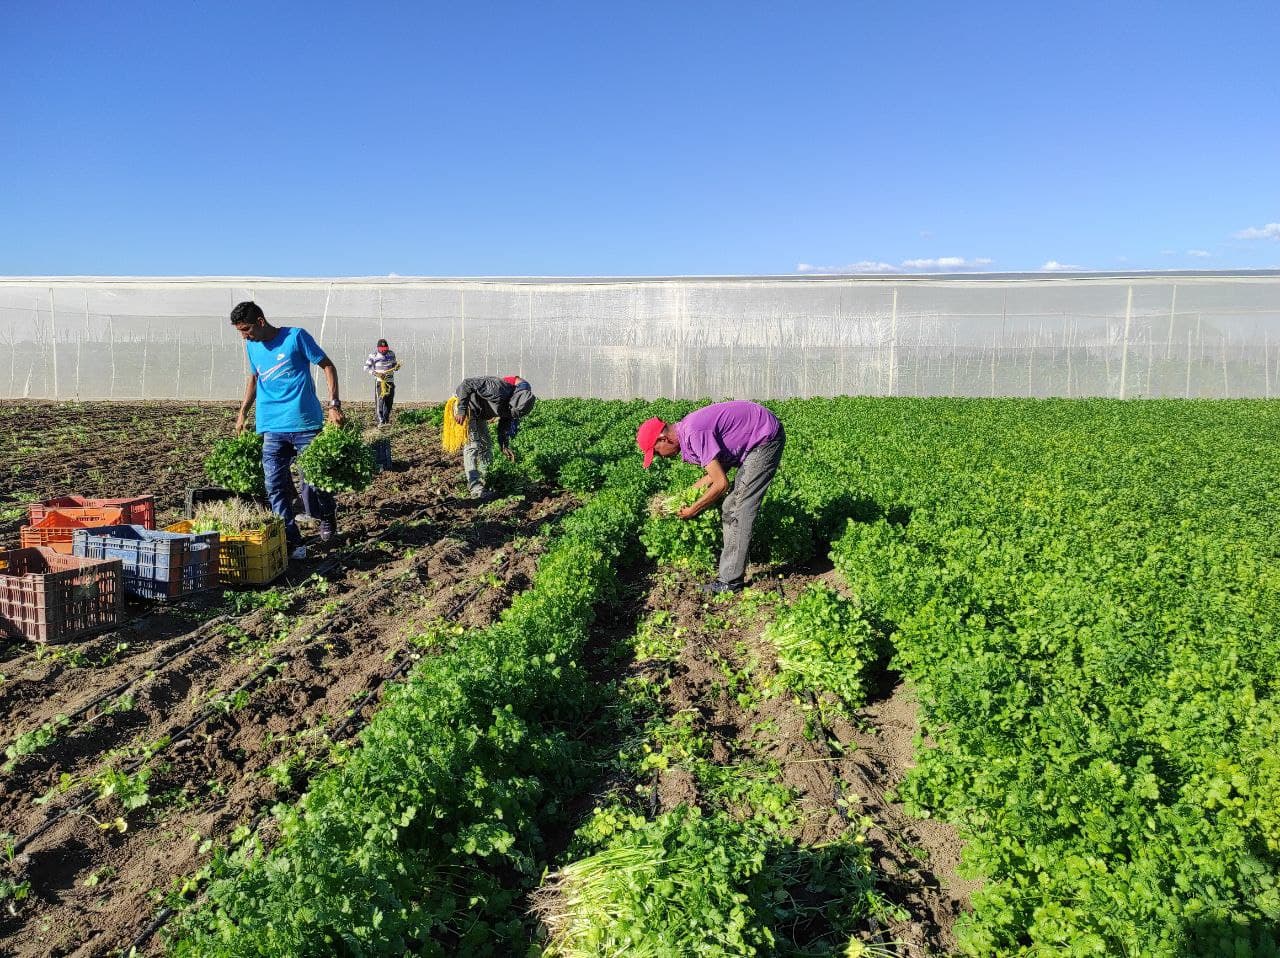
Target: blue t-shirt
287	400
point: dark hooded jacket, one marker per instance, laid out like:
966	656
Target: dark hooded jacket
489	397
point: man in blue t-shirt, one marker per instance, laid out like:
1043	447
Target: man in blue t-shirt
289	414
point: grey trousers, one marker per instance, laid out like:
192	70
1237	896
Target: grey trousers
743	502
477	453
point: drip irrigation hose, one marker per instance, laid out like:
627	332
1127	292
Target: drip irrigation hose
408	660
155	924
130	767
158	665
166	913
198	641
117	690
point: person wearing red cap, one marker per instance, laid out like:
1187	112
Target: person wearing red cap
382	365
481	400
720	437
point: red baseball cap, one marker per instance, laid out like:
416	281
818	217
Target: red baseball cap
647	435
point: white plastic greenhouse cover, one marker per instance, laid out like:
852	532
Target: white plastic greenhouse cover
1126	336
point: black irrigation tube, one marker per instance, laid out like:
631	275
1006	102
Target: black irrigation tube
198	640
129	768
162	917
134	621
155	924
193	644
275	662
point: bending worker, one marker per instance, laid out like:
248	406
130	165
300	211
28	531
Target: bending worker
289	414
481	400
718	438
382	365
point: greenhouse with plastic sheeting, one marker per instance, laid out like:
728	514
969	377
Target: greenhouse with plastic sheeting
1192	335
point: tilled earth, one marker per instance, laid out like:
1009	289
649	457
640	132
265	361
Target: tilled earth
836	767
221	705
204	713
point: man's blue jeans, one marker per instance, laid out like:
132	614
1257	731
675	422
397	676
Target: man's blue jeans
279	450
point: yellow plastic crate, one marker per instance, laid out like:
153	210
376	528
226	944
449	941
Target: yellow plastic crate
250	558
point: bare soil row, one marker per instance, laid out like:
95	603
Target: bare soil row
836	767
231	704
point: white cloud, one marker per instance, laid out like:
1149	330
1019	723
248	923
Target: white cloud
1270	231
864	266
1053	266
940	265
1199	253
946	262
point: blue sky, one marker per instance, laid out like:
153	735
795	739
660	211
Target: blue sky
555	138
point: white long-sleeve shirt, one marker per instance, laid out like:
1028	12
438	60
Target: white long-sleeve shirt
381	364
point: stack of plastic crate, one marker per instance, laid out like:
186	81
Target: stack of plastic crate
248	558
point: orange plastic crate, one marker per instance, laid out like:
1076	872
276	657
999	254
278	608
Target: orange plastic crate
55	529
135	511
46	596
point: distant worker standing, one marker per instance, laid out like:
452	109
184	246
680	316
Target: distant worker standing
289	414
479	401
718	438
382	366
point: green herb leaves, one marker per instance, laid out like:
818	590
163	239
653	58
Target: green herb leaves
338	460
236	463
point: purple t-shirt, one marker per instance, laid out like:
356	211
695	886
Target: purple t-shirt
726	431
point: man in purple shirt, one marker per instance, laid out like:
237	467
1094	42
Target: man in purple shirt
720	437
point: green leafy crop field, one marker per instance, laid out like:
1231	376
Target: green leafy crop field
1081	597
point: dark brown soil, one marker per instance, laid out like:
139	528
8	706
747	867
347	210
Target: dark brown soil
313	661
227	707
858	759
103	449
